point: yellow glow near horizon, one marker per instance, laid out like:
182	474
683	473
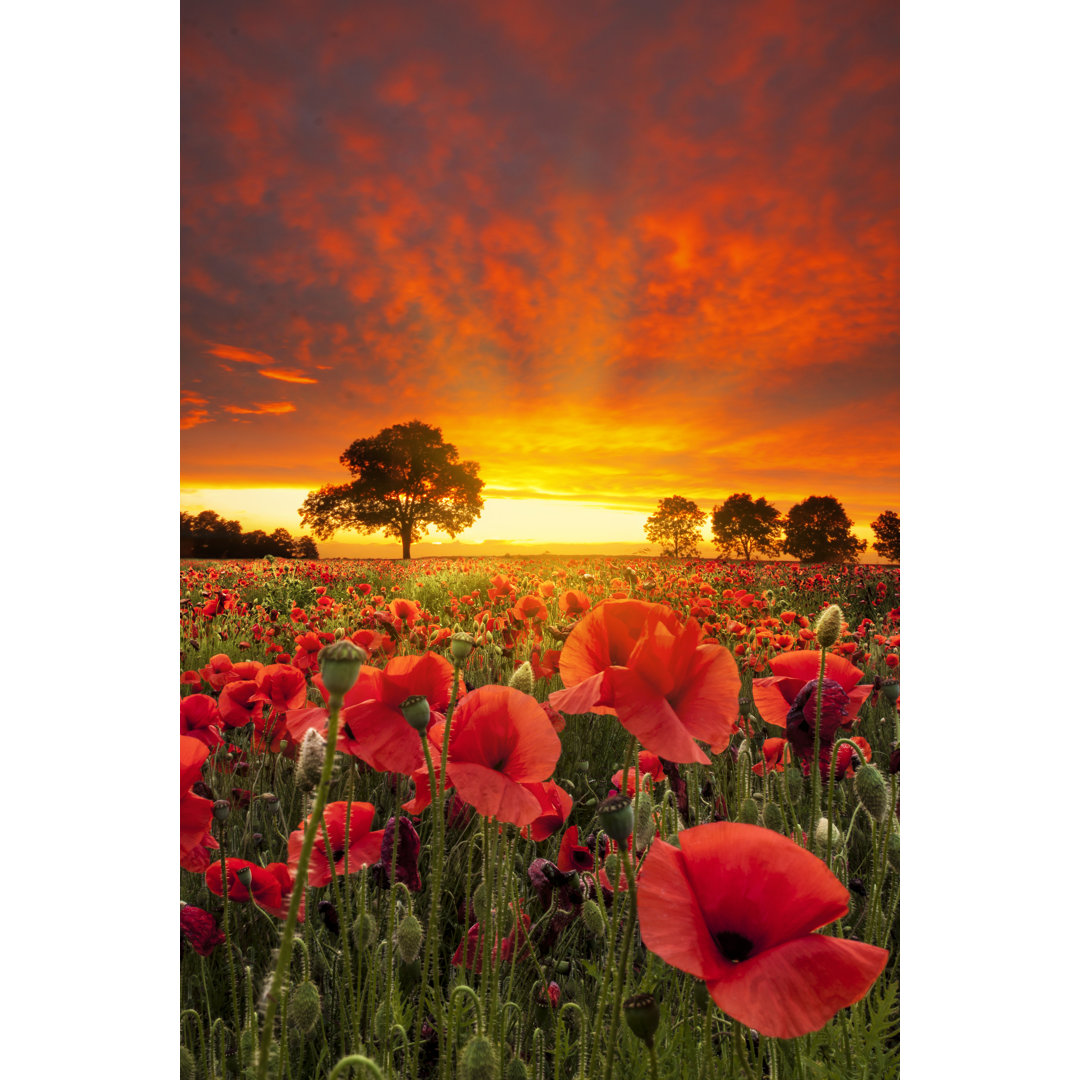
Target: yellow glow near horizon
520	521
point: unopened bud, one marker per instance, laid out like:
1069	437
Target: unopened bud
409	939
748	812
522	679
310	764
827	628
821	836
594	918
305	1007
871	793
478	1060
773	818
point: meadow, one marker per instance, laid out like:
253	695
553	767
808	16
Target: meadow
665	844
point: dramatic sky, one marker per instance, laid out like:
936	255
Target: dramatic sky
617	250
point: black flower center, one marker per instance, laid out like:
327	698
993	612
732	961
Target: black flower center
339	854
733	947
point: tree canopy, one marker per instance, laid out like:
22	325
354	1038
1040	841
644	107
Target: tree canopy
744	525
676	526
818	530
405	480
886	528
208	536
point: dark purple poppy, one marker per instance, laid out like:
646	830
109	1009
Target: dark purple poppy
408	854
200	929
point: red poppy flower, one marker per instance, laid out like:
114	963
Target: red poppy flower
788	698
471	950
271	886
530	609
572	855
217	670
372	726
282	686
574	602
648	766
365	847
776	755
736	905
200	719
196	813
555	804
500	740
637	660
240	704
200	929
190	678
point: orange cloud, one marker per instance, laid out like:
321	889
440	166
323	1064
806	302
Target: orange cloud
242	356
269	408
287	376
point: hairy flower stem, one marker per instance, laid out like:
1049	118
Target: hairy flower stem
299	886
336	891
429	972
620	975
228	935
815	768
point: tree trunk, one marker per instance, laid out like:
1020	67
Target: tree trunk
406	546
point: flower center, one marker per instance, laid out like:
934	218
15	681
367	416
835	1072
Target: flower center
733	947
339	854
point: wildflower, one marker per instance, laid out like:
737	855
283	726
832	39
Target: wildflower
736	905
199	929
365	846
555	807
200	719
270	887
636	660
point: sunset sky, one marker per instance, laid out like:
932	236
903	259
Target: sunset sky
615	250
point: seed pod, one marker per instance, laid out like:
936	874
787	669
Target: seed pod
616	815
417	711
339	666
642	1016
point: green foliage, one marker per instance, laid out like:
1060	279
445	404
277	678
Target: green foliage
744	525
818	530
676	526
886	528
405	480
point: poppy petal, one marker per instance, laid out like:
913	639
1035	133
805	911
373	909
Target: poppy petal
672	925
773	697
797	987
806	664
647	715
759	884
584	697
492	793
382	737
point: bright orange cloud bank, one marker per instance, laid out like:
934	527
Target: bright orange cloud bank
617	251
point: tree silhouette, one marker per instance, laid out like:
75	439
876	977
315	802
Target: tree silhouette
208	536
818	530
886	528
406	479
676	526
744	525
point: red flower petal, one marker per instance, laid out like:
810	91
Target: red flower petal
805	665
798	986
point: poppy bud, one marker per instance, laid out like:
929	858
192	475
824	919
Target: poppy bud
794	784
827	628
364	930
339	633
748	812
773	818
642	1016
612	867
478	1060
339	666
310	764
243	875
870	791
305	1008
516	1069
461	645
410	975
821	836
221	810
409	938
893	853
522	679
644	826
187	1064
594	918
269	798
891	689
417	711
616	815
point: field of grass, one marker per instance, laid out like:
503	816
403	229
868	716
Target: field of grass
473	937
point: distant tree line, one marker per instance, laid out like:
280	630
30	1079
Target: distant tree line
208	536
814	530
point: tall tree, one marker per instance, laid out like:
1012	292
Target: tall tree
406	480
818	530
886	528
676	526
744	525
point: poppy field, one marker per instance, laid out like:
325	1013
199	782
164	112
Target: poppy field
540	818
